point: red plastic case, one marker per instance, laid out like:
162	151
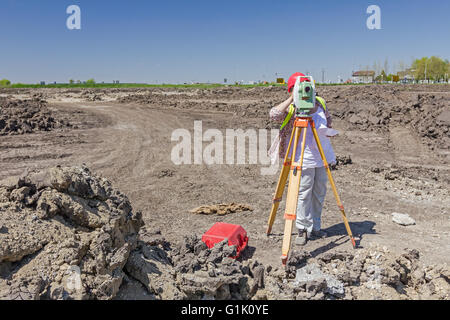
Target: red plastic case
235	234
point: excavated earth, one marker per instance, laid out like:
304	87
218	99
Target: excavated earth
66	232
62	227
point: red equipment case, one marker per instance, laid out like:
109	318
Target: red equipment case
235	234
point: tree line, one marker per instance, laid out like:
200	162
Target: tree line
433	68
426	68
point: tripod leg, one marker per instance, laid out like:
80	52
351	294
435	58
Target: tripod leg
292	195
333	186
280	185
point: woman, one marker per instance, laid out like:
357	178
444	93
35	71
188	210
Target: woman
313	185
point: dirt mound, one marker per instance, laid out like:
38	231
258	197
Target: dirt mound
245	102
64	234
27	116
369	108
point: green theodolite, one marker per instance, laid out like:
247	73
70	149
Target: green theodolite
304	97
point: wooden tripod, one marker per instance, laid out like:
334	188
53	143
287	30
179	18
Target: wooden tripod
293	170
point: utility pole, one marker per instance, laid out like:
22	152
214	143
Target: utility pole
426	62
323	75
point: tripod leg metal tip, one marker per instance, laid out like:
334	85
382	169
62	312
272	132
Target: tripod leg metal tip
283	260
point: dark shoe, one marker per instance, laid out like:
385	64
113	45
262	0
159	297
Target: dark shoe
318	234
302	238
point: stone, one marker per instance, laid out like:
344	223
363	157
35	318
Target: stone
314	279
403	219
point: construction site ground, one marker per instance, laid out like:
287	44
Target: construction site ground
395	140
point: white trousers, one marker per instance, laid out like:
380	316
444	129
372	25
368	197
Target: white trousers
313	188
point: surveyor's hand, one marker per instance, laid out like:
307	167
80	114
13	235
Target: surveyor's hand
290	99
283	107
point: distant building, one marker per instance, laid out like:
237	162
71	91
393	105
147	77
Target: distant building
363	76
406	76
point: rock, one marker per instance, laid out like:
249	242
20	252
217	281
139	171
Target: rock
151	267
402	219
258	279
355	119
296	259
314	280
336	255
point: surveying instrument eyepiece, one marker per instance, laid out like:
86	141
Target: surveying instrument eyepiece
304	101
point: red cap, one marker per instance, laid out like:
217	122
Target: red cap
293	78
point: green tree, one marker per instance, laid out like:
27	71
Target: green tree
433	68
71	81
90	81
382	76
5	83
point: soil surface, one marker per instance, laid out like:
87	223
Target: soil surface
393	150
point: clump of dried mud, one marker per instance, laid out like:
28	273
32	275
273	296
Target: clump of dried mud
221	209
64	234
27	116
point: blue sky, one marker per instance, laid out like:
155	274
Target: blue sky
179	41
